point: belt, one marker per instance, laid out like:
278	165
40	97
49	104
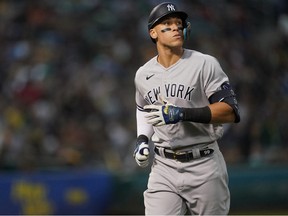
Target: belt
184	156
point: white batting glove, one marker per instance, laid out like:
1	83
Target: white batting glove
141	154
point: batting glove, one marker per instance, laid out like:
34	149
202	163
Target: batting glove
141	152
141	155
163	114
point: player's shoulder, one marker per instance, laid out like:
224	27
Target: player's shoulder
205	61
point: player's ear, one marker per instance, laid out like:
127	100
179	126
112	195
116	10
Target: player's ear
153	33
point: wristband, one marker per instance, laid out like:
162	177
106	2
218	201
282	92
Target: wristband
199	115
141	139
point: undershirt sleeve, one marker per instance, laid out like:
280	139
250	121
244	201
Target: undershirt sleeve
143	127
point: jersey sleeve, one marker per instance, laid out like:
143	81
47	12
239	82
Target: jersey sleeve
213	76
142	126
139	98
140	101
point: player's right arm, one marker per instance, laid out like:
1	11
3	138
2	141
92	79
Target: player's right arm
144	131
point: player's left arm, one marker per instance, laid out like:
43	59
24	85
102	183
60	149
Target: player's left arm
223	108
221	113
224	105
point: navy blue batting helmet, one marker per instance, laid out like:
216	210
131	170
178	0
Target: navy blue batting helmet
162	10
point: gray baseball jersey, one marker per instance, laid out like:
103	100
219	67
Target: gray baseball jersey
188	83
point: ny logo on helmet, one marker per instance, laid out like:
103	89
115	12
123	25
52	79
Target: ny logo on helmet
170	7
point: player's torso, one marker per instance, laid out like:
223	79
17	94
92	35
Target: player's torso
182	84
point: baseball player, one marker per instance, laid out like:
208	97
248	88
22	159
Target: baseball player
183	97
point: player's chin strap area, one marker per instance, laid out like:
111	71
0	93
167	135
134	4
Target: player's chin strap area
184	156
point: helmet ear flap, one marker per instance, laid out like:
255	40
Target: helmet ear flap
187	30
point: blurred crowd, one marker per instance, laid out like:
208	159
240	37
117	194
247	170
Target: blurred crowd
67	78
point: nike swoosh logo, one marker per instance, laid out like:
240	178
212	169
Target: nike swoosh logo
148	77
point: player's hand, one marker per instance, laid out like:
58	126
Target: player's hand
163	115
141	154
159	115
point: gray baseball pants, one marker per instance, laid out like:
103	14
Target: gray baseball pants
199	186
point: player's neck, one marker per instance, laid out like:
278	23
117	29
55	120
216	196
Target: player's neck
168	57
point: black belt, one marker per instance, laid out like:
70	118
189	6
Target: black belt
184	156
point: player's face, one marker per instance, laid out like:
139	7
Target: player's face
169	32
